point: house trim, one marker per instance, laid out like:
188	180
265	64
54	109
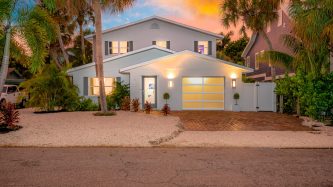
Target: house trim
250	44
124	70
90	37
120	56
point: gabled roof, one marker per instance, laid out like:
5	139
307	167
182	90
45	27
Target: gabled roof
284	9
160	19
185	52
121	56
250	44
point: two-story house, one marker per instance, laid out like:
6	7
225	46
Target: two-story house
257	44
157	55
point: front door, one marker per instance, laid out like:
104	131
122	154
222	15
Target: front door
149	90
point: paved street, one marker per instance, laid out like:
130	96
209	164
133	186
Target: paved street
165	167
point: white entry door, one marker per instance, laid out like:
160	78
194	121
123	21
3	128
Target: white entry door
149	90
203	93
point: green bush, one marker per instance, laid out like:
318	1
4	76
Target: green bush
166	97
315	94
51	90
118	94
87	104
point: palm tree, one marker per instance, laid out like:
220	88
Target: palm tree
83	14
255	15
114	6
60	16
314	24
312	41
34	28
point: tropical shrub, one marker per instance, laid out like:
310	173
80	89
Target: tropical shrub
126	103
118	94
86	104
9	115
315	94
51	90
166	109
148	107
135	104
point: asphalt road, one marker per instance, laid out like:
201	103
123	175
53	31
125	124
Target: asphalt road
165	167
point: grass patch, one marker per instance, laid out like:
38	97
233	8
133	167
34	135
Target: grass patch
109	113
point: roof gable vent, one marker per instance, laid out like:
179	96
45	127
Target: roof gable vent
154	26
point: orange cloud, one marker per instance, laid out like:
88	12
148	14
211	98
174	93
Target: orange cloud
204	14
205	8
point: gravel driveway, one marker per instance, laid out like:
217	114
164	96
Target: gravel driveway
84	129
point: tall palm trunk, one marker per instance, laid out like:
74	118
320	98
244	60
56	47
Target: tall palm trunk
5	58
331	62
83	48
98	53
53	54
61	43
269	43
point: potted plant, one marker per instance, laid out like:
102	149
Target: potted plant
166	97
166	109
236	107
148	107
135	104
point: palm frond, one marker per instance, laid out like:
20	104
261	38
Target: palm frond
276	58
37	29
116	6
5	9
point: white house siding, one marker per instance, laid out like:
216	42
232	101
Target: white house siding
111	68
142	36
184	65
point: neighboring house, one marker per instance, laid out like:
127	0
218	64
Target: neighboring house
257	44
157	55
14	77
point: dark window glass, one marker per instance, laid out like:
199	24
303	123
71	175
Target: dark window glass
11	89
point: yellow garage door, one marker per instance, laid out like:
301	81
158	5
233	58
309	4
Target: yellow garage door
203	93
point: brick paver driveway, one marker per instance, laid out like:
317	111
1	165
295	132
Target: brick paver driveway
239	121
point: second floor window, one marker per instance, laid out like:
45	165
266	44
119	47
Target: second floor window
114	49
118	47
162	44
203	47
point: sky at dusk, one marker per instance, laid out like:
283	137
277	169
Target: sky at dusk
204	14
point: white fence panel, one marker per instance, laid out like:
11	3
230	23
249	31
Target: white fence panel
258	96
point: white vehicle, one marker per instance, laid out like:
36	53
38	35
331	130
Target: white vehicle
11	93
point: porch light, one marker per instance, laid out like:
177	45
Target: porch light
233	76
170	75
170	84
233	83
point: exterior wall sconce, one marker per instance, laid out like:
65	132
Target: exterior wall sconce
170	84
233	83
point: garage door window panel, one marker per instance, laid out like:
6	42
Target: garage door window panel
203	93
192	97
